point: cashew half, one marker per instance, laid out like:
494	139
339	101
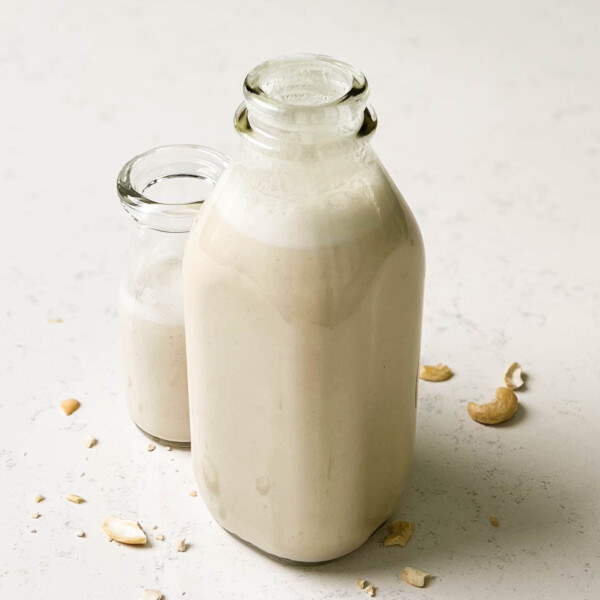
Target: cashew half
502	408
513	378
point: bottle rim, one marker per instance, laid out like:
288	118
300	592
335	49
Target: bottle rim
166	162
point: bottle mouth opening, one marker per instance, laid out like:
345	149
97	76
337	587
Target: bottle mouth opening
164	188
304	82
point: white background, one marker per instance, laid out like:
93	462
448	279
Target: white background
490	125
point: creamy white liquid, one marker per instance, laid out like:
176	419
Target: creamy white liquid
153	350
303	317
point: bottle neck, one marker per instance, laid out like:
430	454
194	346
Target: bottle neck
295	104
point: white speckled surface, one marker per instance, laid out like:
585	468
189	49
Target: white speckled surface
490	124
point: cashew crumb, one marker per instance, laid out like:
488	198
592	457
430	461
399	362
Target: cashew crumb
181	545
70	405
193	493
370	590
361	583
400	533
151	447
54	320
35	515
168	448
39	498
90	441
495	521
160	537
74	498
80	533
152	595
414	576
435	372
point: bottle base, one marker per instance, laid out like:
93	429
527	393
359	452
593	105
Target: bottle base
300	563
185	445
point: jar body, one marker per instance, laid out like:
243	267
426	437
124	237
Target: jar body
153	335
303	287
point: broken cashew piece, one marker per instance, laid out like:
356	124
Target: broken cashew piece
181	545
152	595
414	576
501	409
124	531
435	373
74	498
495	521
513	378
361	583
370	591
90	441
400	533
70	405
39	498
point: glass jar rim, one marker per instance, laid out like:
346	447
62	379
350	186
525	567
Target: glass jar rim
165	162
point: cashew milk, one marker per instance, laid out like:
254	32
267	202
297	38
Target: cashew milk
303	294
153	349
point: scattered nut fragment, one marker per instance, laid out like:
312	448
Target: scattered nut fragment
35	515
74	498
168	448
361	583
160	537
152	595
181	545
70	405
151	447
414	576
39	498
400	533
370	590
54	320
502	408
435	373
33	530
495	521
80	533
513	377
193	493
90	441
124	531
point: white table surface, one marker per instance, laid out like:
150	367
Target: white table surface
490	125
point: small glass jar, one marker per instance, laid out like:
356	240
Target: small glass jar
163	190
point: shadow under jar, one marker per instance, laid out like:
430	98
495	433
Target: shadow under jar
303	288
163	190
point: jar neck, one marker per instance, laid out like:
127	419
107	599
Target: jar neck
293	104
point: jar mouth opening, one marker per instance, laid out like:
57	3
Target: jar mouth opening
304	82
165	187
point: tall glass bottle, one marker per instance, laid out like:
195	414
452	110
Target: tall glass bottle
303	288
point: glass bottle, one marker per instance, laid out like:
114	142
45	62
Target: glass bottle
162	190
303	288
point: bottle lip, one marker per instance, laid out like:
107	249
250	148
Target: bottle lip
333	82
166	162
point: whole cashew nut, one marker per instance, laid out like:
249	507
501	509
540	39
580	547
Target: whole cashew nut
502	408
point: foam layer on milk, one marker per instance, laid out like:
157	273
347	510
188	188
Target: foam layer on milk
307	208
